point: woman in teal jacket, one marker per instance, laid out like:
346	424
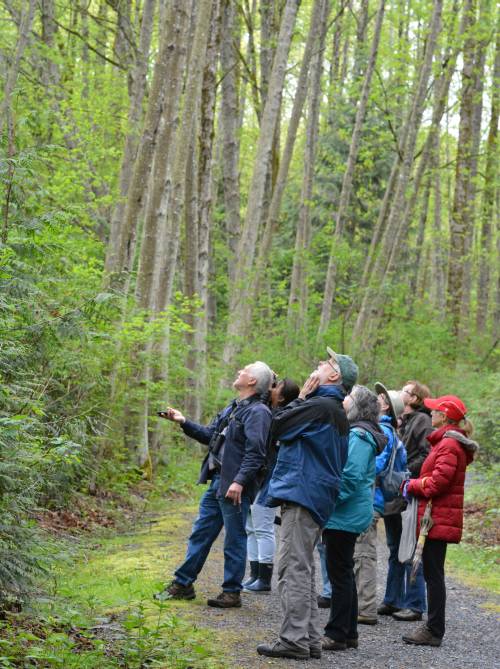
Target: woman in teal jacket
352	515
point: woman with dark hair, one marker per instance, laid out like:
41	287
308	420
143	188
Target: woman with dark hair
261	541
352	515
441	484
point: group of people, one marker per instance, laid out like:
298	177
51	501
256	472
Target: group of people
321	454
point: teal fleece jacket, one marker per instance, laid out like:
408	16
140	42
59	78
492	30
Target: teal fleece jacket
354	509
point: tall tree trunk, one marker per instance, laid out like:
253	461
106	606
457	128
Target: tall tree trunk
155	214
489	193
239	308
373	297
26	22
347	181
137	87
298	283
197	352
482	40
120	250
461	214
318	26
437	257
230	127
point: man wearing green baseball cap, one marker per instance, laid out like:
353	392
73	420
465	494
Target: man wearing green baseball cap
313	432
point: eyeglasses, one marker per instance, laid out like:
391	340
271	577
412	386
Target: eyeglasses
333	364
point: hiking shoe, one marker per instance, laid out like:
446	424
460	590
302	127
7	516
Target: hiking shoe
226	600
277	649
422	637
407	615
331	644
176	591
367	620
324	602
352	643
315	652
387	610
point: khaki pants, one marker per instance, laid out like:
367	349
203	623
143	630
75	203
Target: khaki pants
300	629
365	569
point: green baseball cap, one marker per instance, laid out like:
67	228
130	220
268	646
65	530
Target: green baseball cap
348	368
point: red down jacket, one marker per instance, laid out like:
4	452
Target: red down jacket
442	479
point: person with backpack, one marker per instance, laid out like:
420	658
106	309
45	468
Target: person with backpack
389	464
405	600
313	433
261	540
237	440
351	517
441	484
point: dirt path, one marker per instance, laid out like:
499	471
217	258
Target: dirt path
472	638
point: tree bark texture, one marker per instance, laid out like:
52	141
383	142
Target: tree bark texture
461	214
347	181
239	308
489	193
373	297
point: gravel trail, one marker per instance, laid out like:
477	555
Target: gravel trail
472	638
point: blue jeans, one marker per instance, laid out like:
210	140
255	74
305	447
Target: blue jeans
214	514
327	586
399	592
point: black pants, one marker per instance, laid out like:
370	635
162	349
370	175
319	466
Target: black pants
433	560
343	622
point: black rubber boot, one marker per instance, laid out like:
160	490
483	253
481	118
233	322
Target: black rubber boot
263	583
254	574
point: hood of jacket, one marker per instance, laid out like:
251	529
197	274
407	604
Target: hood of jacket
445	432
329	390
375	431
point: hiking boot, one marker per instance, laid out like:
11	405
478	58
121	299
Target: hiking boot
254	574
277	649
387	610
331	644
352	643
422	637
226	600
315	652
263	583
407	615
176	591
367	620
324	602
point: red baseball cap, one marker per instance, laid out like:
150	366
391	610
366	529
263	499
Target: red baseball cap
451	405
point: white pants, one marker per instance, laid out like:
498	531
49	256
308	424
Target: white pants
261	541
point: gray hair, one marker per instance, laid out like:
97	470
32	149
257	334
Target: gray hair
364	405
262	374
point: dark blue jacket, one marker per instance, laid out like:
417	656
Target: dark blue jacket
313	435
244	445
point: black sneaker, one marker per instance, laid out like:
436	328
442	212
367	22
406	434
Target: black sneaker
176	591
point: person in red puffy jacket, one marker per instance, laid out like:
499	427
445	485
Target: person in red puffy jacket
441	480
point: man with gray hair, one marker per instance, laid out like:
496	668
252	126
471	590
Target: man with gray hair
237	440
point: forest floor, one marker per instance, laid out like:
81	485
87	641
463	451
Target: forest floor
472	636
96	609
